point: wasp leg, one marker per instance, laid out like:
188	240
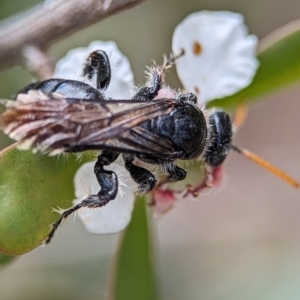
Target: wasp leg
155	80
108	182
98	64
145	179
174	173
153	86
189	97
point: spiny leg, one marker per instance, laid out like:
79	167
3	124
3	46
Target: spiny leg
108	182
63	216
98	64
155	80
153	85
145	179
174	172
189	97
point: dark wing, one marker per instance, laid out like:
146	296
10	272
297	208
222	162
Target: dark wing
55	124
135	140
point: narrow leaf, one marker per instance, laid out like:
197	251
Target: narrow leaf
134	276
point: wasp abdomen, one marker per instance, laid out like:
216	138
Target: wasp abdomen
70	89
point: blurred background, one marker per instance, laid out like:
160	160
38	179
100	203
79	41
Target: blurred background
240	242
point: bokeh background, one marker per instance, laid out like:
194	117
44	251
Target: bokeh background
240	242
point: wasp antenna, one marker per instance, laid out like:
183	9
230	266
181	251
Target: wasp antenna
268	166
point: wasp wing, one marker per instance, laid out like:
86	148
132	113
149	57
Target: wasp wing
136	140
55	124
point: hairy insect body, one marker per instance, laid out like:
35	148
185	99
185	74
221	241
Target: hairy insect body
60	115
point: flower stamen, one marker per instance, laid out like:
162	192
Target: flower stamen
197	48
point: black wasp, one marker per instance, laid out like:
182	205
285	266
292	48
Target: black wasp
59	115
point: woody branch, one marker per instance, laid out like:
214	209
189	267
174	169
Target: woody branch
27	36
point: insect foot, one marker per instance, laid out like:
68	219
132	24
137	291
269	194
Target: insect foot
91	201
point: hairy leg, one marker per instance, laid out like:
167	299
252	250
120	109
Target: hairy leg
108	182
98	64
145	179
155	80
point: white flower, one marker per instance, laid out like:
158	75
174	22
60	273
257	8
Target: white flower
219	57
122	82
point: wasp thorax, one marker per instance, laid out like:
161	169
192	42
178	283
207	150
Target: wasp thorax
186	128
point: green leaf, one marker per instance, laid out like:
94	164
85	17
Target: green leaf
31	185
279	58
134	276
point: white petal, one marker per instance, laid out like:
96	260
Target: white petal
122	81
113	217
219	55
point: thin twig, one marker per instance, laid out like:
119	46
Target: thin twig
45	24
38	62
